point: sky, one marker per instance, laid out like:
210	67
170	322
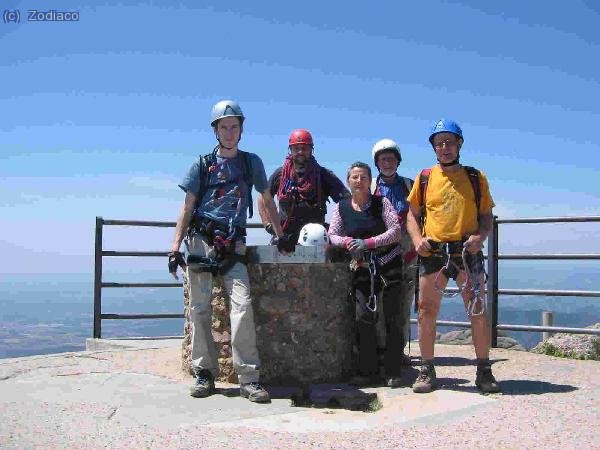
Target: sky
103	116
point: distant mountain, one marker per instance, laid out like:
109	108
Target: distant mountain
523	311
48	313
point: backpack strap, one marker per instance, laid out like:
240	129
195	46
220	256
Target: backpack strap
407	186
206	162
423	181
209	160
474	179
247	175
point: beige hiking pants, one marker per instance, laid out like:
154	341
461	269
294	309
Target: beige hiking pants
243	333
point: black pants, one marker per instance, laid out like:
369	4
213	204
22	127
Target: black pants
373	349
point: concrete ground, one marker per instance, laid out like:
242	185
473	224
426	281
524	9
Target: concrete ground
132	394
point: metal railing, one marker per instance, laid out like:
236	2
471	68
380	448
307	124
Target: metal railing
99	253
492	291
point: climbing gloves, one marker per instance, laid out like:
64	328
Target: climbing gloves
285	243
175	260
356	245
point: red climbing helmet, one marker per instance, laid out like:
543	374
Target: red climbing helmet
300	136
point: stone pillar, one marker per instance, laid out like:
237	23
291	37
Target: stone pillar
304	321
220	330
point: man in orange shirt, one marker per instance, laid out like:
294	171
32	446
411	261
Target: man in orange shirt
451	211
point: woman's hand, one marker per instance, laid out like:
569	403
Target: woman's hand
356	245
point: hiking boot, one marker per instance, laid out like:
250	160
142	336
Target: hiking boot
393	381
485	380
426	381
254	392
204	386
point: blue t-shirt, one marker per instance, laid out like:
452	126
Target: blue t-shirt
226	198
396	192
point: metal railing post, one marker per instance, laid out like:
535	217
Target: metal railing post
547	321
98	279
492	283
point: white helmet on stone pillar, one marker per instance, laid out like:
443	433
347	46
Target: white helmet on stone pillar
386	145
313	234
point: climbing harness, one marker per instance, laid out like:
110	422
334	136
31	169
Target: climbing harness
473	284
446	250
203	264
223	241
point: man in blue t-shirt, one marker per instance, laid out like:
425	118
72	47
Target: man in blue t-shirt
212	220
387	158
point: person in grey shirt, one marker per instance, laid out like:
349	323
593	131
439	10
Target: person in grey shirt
212	220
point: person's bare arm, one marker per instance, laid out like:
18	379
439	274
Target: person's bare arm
266	200
420	242
262	211
475	242
183	221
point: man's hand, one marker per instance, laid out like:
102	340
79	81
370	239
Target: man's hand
175	260
423	247
285	244
474	244
356	245
269	229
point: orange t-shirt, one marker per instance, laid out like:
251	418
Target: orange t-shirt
450	210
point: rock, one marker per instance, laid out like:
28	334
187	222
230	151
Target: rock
304	323
576	346
456	337
510	343
463	337
221	337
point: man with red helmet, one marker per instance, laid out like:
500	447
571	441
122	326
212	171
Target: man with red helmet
302	188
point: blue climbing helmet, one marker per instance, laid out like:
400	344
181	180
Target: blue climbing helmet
445	126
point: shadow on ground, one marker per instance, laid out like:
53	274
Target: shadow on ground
343	396
340	396
459	361
507	387
455	384
533	387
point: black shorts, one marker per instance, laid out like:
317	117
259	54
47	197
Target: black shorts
435	262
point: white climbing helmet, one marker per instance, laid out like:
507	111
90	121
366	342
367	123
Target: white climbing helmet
386	145
313	234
